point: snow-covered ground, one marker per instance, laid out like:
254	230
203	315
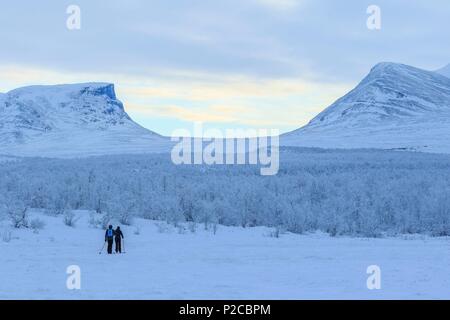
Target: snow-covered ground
235	263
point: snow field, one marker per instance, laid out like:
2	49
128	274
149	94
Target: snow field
235	263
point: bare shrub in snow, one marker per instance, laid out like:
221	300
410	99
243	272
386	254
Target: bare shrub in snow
181	229
126	219
192	226
19	216
6	235
276	232
59	205
163	227
94	222
37	224
106	221
122	210
100	221
70	219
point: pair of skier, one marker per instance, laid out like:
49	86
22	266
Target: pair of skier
112	235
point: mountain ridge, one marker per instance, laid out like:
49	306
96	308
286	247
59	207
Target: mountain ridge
445	71
70	119
395	106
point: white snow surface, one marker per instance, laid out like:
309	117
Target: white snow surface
395	107
71	121
445	71
235	263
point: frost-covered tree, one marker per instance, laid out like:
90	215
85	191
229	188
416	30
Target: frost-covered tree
359	193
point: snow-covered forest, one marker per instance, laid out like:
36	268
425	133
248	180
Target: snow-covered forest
358	193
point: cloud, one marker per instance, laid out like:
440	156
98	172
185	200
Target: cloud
280	4
209	94
247	62
189	96
282	103
227	88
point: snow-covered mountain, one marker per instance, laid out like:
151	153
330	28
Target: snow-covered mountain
394	107
445	71
70	120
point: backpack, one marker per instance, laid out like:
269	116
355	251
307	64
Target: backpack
110	233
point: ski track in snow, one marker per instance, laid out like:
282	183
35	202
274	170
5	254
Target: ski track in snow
235	263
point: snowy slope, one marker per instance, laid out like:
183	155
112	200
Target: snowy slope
445	71
394	107
235	263
70	120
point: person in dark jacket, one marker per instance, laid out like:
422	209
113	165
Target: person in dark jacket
118	237
109	237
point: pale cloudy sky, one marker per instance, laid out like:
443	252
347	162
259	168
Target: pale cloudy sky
229	63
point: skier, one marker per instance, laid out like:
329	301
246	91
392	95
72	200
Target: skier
109	236
118	237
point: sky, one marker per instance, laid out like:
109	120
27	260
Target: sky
263	64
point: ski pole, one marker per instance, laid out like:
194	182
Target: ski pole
104	243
